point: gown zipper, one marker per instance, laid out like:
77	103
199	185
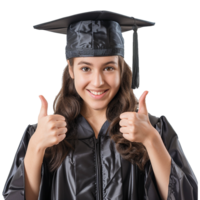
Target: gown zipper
98	164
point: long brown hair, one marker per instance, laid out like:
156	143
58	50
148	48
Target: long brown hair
68	104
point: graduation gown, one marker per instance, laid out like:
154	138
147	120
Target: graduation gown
95	170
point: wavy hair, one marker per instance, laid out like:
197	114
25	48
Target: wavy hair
68	104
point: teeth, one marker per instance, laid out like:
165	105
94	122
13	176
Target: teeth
97	93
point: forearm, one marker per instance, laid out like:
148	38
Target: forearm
32	169
161	162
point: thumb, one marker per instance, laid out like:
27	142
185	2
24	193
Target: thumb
142	102
44	106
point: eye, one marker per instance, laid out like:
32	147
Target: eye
104	68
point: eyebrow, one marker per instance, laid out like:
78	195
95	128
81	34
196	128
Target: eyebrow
87	63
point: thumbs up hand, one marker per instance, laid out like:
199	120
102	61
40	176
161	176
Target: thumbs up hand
51	129
136	127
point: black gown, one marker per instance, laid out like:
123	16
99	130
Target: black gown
95	170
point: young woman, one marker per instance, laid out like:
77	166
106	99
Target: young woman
101	143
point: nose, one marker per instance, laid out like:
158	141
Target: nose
97	79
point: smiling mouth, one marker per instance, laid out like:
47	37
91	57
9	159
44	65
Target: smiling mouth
102	93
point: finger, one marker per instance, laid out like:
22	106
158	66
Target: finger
142	103
44	107
60	117
125	115
61	124
147	104
125	130
124	122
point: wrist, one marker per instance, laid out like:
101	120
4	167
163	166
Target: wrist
153	138
36	145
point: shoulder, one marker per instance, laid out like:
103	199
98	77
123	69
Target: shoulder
153	119
28	131
165	129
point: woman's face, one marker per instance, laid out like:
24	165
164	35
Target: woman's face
98	74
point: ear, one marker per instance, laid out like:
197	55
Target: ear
70	70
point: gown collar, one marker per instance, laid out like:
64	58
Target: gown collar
84	130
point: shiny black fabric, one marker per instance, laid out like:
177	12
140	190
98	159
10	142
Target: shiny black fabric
94	38
95	170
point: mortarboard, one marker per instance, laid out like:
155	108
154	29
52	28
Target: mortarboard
98	33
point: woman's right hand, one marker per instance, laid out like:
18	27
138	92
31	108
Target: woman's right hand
51	129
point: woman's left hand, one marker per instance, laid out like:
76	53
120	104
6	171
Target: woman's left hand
136	127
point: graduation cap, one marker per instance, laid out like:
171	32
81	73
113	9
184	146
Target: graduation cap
98	33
